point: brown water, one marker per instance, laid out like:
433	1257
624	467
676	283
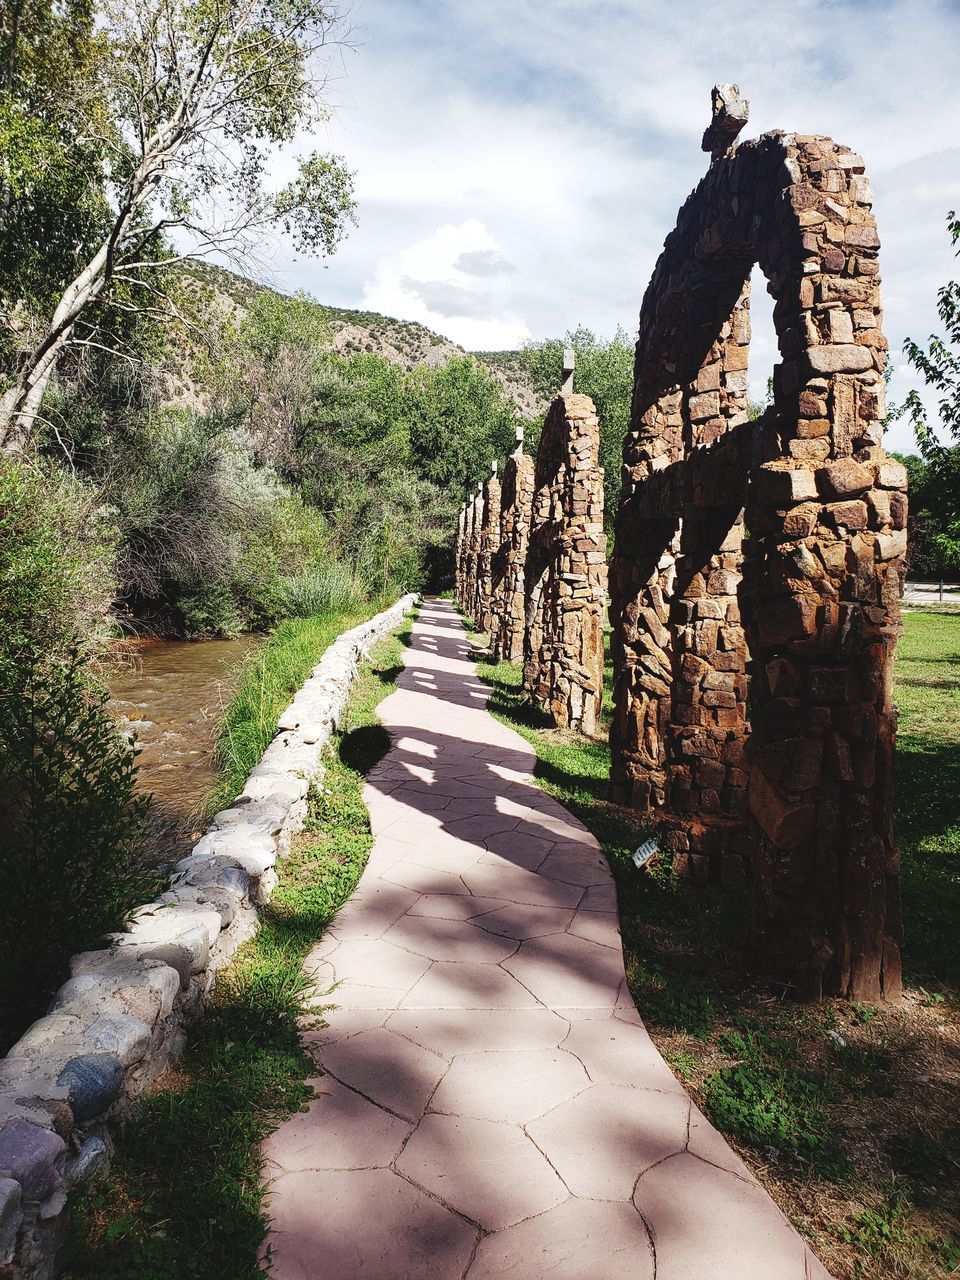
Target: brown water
171	693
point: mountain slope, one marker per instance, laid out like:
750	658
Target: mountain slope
402	342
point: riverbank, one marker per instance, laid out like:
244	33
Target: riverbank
264	686
119	1023
184	1196
171	695
846	1114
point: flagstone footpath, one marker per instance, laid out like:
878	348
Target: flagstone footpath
490	1104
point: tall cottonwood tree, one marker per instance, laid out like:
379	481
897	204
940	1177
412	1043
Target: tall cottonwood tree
185	104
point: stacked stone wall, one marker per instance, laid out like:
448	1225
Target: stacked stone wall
471	556
566	568
459	555
119	1021
506	641
808	606
488	552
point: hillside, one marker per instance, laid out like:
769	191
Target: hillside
406	343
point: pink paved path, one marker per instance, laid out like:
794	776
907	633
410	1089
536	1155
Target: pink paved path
491	1105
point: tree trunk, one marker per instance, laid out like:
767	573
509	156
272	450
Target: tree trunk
20	403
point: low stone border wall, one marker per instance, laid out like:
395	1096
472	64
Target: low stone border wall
119	1021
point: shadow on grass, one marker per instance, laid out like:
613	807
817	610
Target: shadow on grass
826	1096
927	781
362	748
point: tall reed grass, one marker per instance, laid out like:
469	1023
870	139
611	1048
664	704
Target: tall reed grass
330	588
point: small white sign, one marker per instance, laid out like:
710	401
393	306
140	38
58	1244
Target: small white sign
642	856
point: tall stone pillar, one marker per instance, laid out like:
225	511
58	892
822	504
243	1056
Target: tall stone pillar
489	546
459	554
515	516
566	568
770	549
474	516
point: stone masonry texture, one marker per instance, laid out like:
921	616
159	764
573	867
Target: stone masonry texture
506	638
471	555
531	564
489	560
769	550
566	571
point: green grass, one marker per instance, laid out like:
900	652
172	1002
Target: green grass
927	791
823	1100
270	676
184	1197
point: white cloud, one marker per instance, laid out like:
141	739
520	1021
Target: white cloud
427	282
565	136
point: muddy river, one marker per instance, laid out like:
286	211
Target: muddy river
171	693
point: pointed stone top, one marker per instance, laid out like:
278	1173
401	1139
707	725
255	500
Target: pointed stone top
730	113
569	362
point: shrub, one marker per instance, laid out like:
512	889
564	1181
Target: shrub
69	821
328	588
56	550
208	535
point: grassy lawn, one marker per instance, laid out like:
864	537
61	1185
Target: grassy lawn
928	795
184	1196
850	1115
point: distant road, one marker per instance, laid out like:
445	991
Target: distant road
929	593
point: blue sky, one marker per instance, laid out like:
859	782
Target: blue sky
519	163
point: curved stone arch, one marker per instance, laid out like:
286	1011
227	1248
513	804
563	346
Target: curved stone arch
825	510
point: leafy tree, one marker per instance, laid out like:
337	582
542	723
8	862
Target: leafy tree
939	364
935	483
460	421
268	367
934	522
604	371
53	206
198	95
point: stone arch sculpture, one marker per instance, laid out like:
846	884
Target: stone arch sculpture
808	605
488	546
471	542
566	570
506	641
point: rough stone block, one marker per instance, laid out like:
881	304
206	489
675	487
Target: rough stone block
892	544
847	515
891	474
843	478
128	1038
777	485
34	1157
10	1218
90	1160
93	1080
839	358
